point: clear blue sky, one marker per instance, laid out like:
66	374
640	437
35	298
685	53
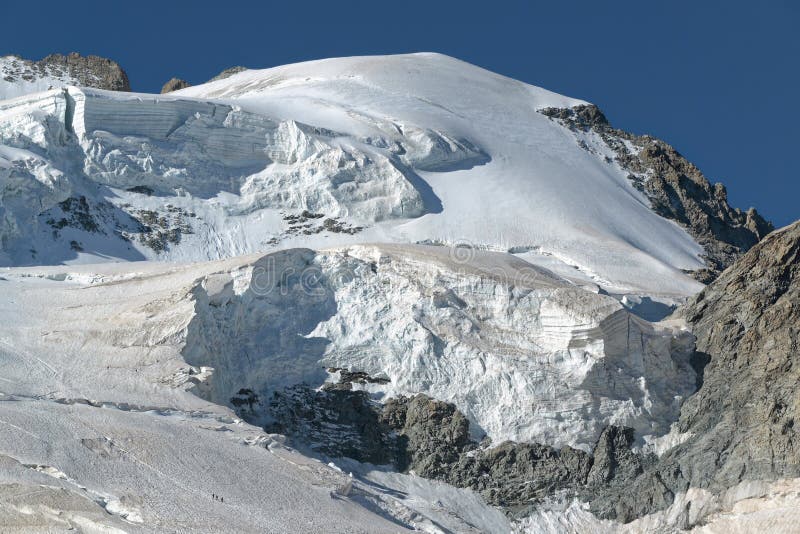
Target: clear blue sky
718	80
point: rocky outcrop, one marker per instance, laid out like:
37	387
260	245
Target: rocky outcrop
742	422
516	476
91	71
86	71
613	458
676	188
334	422
227	73
433	434
432	439
174	84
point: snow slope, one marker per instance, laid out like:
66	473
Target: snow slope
102	431
414	148
540	190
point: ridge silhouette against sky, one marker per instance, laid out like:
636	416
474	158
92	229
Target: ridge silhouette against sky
718	80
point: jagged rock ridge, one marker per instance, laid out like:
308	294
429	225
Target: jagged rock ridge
676	188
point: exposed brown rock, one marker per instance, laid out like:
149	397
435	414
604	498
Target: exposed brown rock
227	73
90	71
748	323
173	85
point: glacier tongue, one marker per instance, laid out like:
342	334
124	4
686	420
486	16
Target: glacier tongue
525	355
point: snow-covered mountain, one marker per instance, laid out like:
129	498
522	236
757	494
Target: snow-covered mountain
420	148
406	261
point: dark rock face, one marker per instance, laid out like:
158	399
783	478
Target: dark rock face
90	71
227	73
613	458
432	439
677	190
173	85
334	422
511	475
517	475
748	322
742	420
639	497
434	433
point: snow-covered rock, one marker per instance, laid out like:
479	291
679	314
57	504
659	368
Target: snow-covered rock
20	76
